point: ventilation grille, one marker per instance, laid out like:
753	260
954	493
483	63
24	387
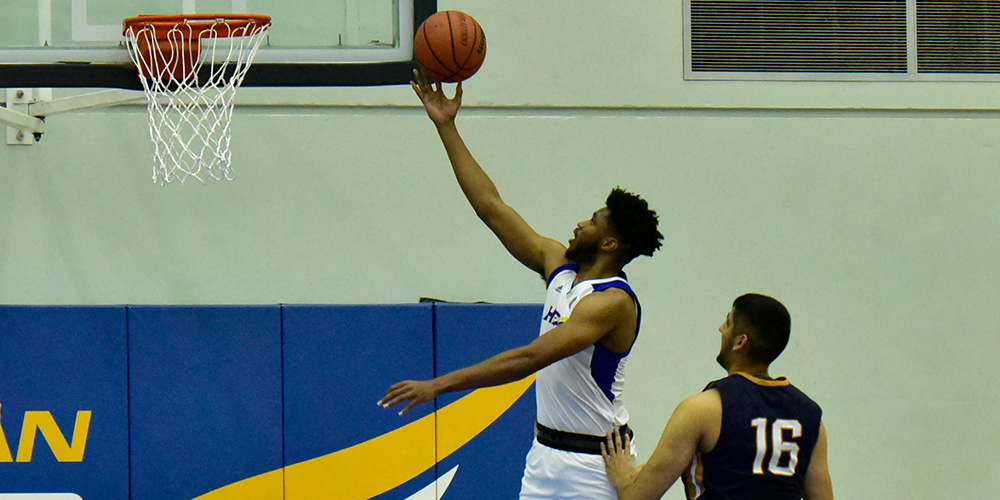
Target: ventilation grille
807	36
958	36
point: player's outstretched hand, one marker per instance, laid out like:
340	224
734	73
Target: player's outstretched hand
618	459
439	108
413	392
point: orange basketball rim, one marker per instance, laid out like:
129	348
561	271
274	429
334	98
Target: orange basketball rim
170	45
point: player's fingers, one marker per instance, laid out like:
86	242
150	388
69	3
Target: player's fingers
628	443
399	397
458	93
388	395
393	397
425	86
618	440
409	405
421	78
604	453
398	400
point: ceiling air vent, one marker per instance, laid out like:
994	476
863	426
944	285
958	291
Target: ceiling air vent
958	36
807	36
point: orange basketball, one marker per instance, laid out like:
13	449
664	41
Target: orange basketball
450	46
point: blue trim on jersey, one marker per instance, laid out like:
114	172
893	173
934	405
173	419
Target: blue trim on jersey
603	367
572	266
624	286
604	363
600	287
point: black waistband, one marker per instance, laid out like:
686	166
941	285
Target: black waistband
570	441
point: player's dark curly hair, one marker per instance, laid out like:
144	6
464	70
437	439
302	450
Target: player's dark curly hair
634	223
766	322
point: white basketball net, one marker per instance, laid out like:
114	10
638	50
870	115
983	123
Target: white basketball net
190	93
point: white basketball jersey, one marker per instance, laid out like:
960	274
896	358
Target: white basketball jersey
581	393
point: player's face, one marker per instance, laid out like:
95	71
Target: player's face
588	235
726	329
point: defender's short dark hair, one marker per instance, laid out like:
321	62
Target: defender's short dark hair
634	223
768	322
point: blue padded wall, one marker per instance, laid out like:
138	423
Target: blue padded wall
465	335
187	401
205	394
65	360
339	361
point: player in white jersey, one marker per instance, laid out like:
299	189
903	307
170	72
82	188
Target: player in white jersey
590	322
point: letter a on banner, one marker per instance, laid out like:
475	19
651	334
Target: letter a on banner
4	449
42	421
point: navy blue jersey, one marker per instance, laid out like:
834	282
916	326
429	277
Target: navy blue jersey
769	430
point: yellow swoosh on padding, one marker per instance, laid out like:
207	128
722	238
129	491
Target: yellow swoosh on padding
380	464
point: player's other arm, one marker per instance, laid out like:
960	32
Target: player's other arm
594	317
817	484
688	430
538	253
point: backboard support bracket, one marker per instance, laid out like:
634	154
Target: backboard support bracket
27	109
22	127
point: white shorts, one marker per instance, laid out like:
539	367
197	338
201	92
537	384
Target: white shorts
555	474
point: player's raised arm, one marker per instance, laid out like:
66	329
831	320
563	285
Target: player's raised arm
538	253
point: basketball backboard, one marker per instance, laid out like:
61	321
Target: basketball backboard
79	43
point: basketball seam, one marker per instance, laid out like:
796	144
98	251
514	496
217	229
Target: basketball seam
451	33
430	47
473	51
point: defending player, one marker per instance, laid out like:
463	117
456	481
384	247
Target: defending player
590	322
747	436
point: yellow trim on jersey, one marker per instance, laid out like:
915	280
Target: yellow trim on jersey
694	487
778	382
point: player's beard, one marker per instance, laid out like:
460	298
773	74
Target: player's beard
722	360
583	253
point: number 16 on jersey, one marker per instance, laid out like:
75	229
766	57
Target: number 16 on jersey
778	446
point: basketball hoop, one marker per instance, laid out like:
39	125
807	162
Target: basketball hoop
190	66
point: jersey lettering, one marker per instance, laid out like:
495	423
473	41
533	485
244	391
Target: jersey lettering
761	425
779	446
553	316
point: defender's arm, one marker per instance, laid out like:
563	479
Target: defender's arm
691	424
